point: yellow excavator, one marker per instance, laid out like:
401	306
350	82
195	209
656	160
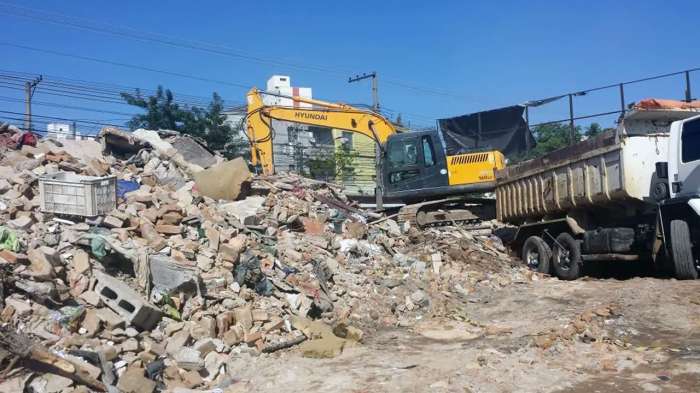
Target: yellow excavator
412	167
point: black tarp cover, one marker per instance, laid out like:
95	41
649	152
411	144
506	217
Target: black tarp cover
501	129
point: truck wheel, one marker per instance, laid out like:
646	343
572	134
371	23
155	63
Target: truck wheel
536	254
682	251
567	257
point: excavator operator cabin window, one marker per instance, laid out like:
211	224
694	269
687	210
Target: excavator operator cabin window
403	153
428	151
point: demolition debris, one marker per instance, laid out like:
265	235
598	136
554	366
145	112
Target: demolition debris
143	262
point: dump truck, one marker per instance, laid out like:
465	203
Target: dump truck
632	194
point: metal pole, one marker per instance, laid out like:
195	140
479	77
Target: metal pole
527	128
478	130
375	92
571	120
688	95
27	106
29	88
379	190
375	87
622	98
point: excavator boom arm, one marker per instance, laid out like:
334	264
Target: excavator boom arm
323	114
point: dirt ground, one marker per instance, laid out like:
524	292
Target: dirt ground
592	335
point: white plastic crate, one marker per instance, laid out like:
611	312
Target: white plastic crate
68	193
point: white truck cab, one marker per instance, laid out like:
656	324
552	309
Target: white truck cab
684	160
679	212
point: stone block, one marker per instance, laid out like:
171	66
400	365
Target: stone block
20	223
168	229
243	317
112	222
127	302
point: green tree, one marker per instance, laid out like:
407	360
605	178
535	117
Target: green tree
593	130
162	112
217	132
329	165
550	137
554	136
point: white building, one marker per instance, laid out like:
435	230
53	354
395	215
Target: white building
282	85
60	131
294	144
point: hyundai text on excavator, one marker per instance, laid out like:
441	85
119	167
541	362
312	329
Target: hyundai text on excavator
412	167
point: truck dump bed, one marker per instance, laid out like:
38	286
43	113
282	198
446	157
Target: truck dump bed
614	169
587	173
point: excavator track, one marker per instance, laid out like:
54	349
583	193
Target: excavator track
470	212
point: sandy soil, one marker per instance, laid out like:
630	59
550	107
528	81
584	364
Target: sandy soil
591	335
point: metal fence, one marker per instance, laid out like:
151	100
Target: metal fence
353	168
671	84
356	168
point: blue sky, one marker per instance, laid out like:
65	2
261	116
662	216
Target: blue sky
477	55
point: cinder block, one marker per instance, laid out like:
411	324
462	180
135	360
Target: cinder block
126	302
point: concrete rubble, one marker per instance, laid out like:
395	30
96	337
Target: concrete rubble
171	287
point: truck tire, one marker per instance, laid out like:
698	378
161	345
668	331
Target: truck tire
536	254
682	251
567	257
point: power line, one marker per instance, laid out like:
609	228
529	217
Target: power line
127	32
212	48
103	86
54	91
56	105
51	93
102	93
126	65
69	94
63	119
38	131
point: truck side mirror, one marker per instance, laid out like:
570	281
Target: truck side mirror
662	170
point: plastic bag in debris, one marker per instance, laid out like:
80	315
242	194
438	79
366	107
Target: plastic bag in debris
126	186
286	269
248	273
168	305
8	240
68	317
98	246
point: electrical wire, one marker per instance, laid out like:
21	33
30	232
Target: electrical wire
123	65
62	119
105	87
126	65
56	105
114	97
63	20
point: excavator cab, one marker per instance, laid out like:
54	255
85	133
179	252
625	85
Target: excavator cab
414	166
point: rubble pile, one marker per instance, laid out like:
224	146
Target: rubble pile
587	327
195	266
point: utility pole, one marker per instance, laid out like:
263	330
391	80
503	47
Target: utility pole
572	128
375	92
379	189
29	88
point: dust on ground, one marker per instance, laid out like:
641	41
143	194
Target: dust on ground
639	334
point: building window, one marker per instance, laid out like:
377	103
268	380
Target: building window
293	135
347	140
